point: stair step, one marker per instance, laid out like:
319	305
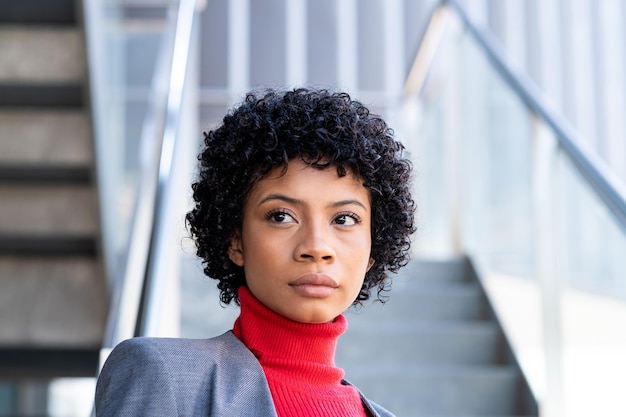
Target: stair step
420	344
41	54
45	175
440	390
48	210
45	137
442	301
38	12
57	302
44	363
55	245
436	271
62	95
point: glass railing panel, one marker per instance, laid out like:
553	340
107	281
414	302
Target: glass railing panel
594	244
476	130
473	152
493	178
433	236
123	51
495	167
593	303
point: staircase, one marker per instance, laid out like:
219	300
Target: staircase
53	295
435	348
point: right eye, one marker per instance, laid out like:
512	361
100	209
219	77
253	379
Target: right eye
280	217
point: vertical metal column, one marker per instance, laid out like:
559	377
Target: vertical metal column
238	48
610	79
296	29
394	51
347	58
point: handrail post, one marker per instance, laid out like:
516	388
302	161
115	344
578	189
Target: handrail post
545	150
451	157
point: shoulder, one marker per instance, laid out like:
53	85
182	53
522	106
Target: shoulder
134	379
146	374
166	348
146	356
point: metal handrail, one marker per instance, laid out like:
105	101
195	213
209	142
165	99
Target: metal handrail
602	181
156	148
156	276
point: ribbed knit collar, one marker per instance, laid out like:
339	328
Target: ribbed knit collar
302	352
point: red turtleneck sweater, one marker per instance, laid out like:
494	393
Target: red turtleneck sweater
298	360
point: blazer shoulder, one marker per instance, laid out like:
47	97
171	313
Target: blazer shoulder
196	354
184	376
135	380
177	357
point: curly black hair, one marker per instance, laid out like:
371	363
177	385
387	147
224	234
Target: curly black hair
323	129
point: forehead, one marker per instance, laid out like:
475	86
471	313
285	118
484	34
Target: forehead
301	178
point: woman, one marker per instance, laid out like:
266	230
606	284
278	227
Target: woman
302	207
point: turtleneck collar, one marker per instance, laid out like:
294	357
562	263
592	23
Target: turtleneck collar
298	360
286	345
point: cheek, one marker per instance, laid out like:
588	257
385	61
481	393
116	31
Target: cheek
361	257
262	252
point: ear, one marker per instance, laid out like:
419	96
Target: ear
235	250
370	264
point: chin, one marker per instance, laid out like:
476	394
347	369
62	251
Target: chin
312	318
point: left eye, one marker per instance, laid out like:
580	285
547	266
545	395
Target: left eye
345	220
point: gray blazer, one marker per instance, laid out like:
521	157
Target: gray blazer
215	377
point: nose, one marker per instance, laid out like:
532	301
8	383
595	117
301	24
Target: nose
314	244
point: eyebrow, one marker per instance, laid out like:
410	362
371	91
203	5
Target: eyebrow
295	201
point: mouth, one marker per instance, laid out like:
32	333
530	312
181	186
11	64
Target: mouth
314	285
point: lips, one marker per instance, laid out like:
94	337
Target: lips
314	285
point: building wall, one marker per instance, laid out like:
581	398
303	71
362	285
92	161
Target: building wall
574	50
364	47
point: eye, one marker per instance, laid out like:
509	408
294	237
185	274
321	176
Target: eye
279	216
347	219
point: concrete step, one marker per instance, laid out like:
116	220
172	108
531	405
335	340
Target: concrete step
45	175
41	210
432	349
48	245
424	301
51	302
53	292
42	364
420	344
37	12
436	271
36	96
440	390
45	137
41	54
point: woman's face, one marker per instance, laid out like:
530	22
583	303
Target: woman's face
305	242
